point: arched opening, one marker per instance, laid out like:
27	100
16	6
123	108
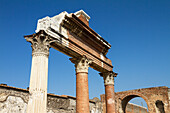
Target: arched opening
134	104
160	106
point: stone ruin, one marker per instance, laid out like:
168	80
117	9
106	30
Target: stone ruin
71	35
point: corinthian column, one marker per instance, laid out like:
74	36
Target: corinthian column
82	90
39	73
109	91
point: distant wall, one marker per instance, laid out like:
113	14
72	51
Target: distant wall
14	100
156	98
132	108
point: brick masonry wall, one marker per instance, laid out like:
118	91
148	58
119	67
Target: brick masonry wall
150	95
130	108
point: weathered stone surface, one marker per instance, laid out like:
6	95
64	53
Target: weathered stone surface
57	103
97	107
109	91
3	97
39	72
108	77
81	64
150	95
13	104
75	38
8	92
82	90
15	100
132	108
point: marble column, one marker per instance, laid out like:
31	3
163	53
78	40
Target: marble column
82	90
109	91
39	73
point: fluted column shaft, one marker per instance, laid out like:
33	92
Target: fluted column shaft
82	90
109	91
39	74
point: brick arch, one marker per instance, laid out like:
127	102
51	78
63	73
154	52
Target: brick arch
130	95
150	95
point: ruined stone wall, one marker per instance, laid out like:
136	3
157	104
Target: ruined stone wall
132	108
157	99
14	100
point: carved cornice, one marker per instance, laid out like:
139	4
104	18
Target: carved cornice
81	64
77	27
108	77
40	43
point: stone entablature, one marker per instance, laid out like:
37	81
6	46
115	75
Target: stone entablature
75	38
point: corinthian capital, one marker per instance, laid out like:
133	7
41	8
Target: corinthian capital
108	77
81	64
40	43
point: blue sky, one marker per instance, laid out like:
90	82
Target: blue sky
138	30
